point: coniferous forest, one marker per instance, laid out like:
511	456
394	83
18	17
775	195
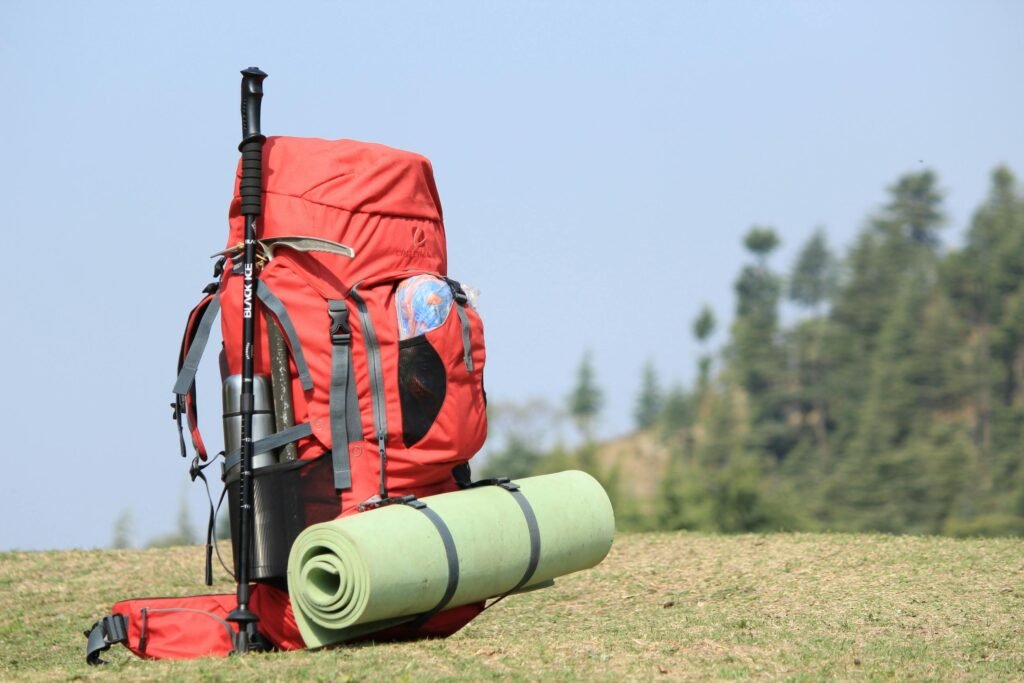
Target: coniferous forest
893	402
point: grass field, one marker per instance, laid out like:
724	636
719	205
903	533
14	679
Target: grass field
661	606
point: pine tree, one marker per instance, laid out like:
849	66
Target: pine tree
757	359
703	328
986	283
814	275
586	400
649	400
811	285
897	244
124	530
678	410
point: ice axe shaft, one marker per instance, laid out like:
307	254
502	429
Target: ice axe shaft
281	386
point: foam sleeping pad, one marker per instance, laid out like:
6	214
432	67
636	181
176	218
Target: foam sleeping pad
353	576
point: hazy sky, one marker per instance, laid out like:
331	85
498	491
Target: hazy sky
598	165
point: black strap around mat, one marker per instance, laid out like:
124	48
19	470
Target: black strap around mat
531	524
451	552
452	555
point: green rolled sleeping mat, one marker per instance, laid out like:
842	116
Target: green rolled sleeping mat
394	564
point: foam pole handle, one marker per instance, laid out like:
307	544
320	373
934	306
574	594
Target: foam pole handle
251	146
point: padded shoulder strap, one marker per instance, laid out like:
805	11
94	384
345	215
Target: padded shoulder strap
193	343
275	306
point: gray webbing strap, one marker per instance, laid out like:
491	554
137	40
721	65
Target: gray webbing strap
275	306
342	386
467	344
531	524
452	555
190	366
534	528
269	443
187	374
380	418
459	295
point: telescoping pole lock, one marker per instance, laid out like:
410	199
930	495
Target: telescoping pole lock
250	189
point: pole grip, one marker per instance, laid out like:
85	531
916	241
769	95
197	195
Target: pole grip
251	146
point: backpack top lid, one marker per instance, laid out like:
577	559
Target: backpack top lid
378	200
361	177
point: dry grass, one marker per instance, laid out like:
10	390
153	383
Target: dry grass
662	606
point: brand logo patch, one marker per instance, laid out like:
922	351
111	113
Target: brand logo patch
419	237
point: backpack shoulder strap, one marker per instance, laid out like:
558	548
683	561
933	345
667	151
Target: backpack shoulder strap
193	343
274	305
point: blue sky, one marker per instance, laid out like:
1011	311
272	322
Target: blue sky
598	164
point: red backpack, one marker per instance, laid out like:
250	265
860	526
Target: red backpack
372	353
340	314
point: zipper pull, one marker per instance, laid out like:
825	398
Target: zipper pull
382	453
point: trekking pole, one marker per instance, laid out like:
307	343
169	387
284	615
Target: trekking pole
250	190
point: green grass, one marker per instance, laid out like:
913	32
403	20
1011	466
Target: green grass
662	606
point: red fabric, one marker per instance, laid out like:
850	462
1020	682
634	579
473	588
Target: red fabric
196	626
178	628
380	201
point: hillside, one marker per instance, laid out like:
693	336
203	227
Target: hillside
672	606
637	463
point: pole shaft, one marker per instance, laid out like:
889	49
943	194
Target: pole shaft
250	189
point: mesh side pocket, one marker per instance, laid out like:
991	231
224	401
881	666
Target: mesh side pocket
288	497
422	384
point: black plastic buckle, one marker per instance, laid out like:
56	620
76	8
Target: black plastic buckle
341	331
457	292
107	631
462	475
211	288
501	482
195	470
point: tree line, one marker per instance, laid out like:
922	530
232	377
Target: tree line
893	402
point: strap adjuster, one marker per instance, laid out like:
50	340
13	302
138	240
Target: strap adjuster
501	482
457	292
108	631
341	331
375	502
